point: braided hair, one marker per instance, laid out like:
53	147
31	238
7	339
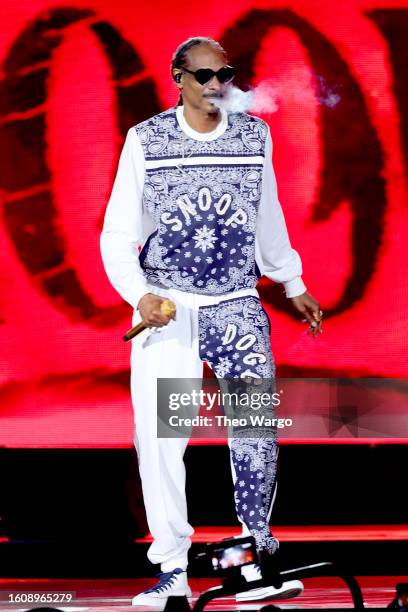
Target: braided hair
180	54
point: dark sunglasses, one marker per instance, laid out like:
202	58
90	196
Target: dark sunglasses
204	75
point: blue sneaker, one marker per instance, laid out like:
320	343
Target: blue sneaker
170	584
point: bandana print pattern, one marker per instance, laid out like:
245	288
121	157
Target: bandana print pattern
161	137
234	339
205	211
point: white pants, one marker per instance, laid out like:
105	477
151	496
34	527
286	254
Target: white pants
171	351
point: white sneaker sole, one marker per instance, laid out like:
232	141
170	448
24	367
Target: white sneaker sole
158	603
289	589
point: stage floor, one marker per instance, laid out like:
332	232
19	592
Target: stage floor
105	595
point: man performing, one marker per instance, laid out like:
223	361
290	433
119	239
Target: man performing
196	191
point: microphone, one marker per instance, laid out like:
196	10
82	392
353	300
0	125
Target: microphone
167	308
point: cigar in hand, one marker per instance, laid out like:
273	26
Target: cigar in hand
167	308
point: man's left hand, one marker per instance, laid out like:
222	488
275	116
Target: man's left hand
310	309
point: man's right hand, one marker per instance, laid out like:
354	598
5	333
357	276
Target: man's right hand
149	308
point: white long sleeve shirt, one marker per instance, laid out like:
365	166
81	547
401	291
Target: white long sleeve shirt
144	210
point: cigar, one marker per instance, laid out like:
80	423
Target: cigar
167	308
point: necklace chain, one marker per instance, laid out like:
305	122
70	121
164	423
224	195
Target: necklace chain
183	147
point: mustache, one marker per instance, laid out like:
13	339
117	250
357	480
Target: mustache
214	95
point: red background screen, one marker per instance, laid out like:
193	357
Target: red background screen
75	76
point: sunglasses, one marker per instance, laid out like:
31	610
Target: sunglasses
204	75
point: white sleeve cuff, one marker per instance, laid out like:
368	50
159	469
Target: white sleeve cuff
294	287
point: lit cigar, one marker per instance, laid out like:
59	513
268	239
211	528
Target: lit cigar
167	308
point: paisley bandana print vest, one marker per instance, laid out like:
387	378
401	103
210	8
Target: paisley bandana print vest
203	198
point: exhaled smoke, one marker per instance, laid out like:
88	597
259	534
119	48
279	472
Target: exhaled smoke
264	99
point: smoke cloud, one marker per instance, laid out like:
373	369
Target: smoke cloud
265	98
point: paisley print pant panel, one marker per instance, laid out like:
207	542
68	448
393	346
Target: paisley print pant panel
234	338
